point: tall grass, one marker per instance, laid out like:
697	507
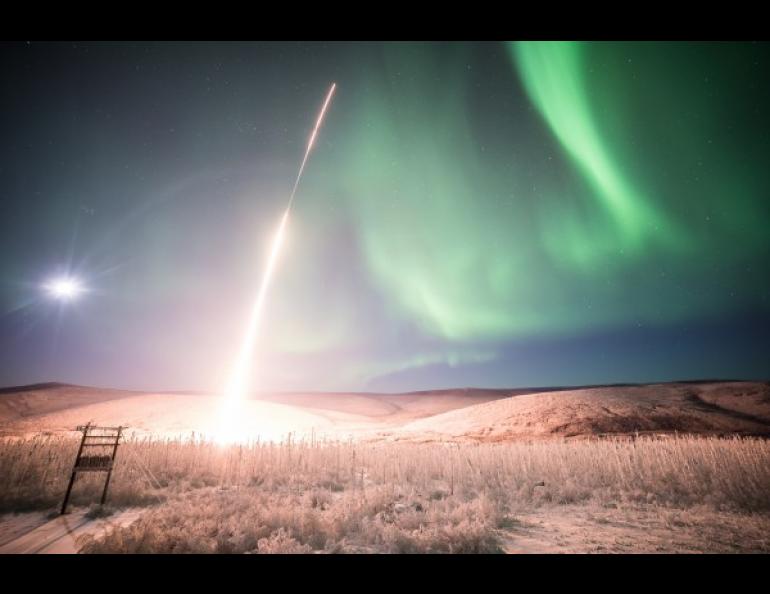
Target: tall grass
389	496
680	471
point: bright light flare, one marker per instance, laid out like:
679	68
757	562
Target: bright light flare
64	289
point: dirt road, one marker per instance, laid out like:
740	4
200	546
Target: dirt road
35	533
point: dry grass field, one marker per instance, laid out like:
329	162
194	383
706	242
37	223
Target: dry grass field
680	467
674	494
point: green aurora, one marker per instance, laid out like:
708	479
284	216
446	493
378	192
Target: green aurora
490	214
633	191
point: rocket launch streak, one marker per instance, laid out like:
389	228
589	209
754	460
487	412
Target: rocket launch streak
310	143
238	384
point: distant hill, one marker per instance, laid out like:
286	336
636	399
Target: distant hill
712	408
715	408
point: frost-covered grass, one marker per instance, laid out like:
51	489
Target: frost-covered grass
382	496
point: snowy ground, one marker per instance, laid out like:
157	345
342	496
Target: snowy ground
563	529
32	533
592	529
718	408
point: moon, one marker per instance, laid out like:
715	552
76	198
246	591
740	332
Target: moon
64	289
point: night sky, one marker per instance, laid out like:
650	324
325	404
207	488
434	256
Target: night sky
473	214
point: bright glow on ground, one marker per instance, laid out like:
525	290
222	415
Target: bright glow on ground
235	426
64	288
246	420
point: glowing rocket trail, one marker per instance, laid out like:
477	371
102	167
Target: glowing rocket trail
310	143
238	384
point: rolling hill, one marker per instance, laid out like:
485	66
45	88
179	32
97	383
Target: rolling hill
713	408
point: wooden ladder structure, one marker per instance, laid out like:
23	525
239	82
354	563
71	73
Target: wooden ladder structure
105	438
